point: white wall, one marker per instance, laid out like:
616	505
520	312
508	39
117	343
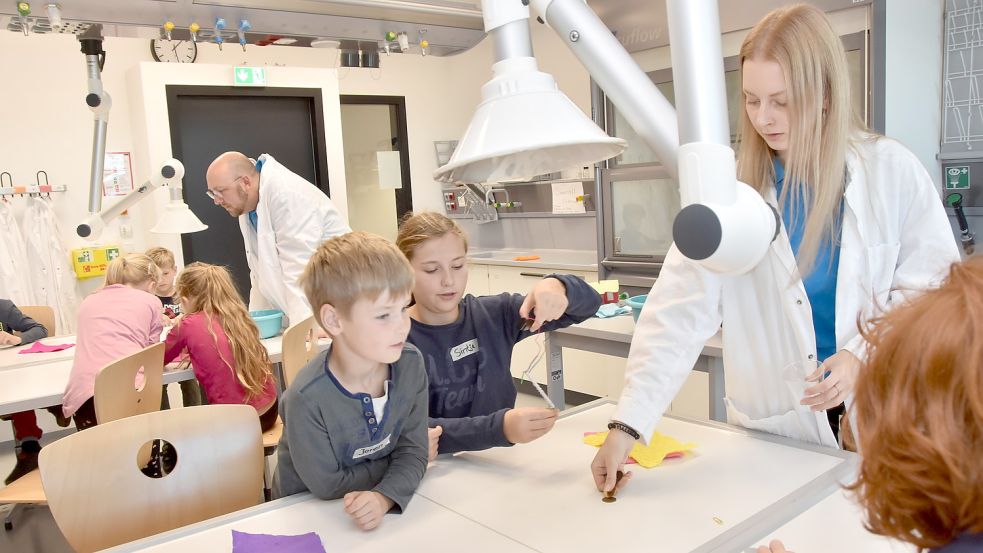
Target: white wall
46	124
913	78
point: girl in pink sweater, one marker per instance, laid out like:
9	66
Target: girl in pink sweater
116	320
222	342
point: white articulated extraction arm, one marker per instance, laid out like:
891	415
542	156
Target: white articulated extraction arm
177	218
724	225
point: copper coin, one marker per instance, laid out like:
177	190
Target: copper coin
609	499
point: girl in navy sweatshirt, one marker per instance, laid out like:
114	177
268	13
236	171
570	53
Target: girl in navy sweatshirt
467	341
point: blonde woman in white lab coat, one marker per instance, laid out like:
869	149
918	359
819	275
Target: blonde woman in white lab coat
283	219
862	222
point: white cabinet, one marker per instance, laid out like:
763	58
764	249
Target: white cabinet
477	280
583	371
693	399
520	280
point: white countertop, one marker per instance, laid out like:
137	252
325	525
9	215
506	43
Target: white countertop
570	260
810	531
622	327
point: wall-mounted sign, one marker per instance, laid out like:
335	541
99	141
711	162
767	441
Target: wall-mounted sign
117	174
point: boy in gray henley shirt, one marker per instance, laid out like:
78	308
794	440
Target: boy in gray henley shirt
355	417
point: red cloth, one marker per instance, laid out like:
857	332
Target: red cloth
220	383
38	347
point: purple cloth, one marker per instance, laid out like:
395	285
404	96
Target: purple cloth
243	542
38	347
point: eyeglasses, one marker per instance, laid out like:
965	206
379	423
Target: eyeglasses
217	194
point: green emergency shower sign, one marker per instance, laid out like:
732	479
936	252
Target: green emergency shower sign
957	177
249	76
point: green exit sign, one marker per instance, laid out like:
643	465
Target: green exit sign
249	76
957	177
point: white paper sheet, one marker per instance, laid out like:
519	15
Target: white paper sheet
565	196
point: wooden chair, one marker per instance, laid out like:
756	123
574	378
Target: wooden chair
22	493
26	490
115	394
299	347
42	314
115	398
100	498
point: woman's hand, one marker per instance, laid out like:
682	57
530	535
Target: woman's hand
547	301
610	459
831	391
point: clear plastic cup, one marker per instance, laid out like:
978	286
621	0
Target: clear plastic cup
795	374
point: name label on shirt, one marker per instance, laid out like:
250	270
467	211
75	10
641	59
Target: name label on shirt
465	349
363	451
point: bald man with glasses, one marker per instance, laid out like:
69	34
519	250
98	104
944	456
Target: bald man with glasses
283	219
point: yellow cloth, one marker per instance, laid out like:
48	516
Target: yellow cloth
605	286
650	455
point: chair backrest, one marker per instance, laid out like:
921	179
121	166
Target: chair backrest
42	314
299	347
116	395
100	498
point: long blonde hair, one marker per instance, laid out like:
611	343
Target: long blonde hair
209	289
822	122
132	269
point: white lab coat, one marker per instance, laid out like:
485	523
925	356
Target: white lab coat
15	283
294	217
895	238
51	274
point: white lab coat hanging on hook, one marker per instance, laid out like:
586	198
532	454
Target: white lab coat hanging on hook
50	272
14	281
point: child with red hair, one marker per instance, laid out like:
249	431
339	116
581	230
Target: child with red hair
919	419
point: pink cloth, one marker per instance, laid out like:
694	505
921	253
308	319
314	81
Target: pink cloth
208	360
38	347
113	322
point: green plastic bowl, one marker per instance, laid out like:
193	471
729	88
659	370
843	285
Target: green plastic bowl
268	321
636	303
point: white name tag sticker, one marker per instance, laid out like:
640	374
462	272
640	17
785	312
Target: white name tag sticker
363	451
465	349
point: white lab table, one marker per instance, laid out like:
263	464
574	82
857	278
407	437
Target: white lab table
425	526
39	386
833	524
737	487
10	358
612	336
542	494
